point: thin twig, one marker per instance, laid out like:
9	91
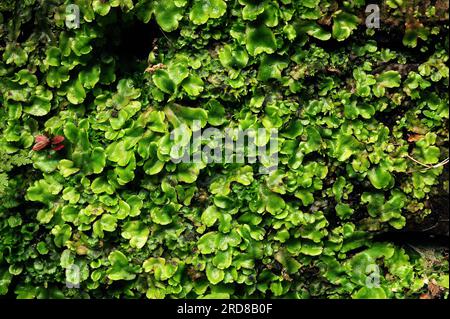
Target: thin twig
444	162
416	161
170	42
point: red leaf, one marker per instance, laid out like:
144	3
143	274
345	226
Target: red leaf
58	147
57	139
39	146
41	138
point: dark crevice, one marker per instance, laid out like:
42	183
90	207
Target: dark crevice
38	23
433	230
130	41
413	238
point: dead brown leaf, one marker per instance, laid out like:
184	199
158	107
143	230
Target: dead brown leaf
434	289
414	137
153	68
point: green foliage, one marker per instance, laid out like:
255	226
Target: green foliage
362	141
